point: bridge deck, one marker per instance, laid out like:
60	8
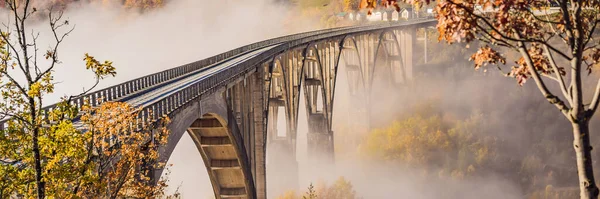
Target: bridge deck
156	93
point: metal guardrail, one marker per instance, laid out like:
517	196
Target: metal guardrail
167	105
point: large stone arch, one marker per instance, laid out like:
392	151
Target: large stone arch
219	143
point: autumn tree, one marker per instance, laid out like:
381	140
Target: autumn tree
119	152
350	5
372	4
340	189
427	142
70	151
555	49
143	4
311	193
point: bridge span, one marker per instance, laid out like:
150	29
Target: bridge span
229	103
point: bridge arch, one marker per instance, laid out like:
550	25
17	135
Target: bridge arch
348	48
393	54
317	95
213	130
222	157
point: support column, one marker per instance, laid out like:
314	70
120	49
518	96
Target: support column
320	140
319	137
259	156
407	44
282	166
425	45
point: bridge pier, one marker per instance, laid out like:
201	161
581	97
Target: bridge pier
281	129
319	77
256	84
320	140
406	37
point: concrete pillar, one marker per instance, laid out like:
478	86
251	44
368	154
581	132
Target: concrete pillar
425	46
319	138
320	144
406	44
258	116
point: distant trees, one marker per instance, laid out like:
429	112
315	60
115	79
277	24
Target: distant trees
143	4
129	4
44	155
351	5
552	48
340	189
425	140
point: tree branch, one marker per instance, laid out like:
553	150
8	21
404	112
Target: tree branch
595	101
559	76
58	40
16	53
568	25
504	36
19	86
540	83
540	19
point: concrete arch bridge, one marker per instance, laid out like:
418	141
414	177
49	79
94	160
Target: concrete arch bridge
229	103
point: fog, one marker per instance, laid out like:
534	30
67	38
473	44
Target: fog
384	180
188	30
181	32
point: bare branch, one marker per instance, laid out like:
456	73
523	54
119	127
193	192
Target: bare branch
35	55
550	77
540	82
595	101
58	39
560	78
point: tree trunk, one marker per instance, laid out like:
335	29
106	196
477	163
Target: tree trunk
40	188
585	169
38	166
